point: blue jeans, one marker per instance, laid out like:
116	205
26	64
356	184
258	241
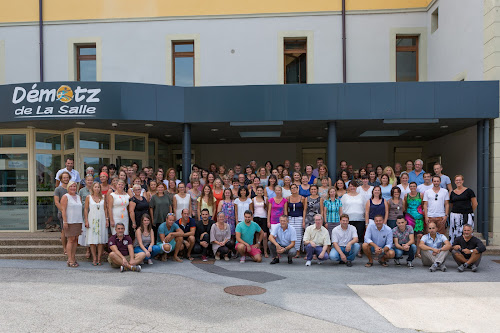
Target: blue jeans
156	250
410	253
311	251
351	255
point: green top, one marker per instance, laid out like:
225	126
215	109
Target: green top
161	207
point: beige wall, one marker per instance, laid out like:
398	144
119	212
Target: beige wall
491	71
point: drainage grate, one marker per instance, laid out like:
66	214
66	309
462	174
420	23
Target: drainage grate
244	290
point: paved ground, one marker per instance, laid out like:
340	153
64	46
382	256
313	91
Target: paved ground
47	296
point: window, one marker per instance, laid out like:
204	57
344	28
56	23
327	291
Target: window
86	63
406	58
295	53
435	20
183	63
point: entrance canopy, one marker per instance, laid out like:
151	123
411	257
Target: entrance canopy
282	113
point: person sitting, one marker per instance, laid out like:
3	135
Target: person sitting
202	234
145	239
122	254
404	241
188	226
282	241
434	249
316	241
467	250
345	244
245	233
170	238
220	237
378	240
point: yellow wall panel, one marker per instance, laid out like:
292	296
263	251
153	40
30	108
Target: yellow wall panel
60	10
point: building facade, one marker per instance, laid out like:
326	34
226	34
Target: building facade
232	44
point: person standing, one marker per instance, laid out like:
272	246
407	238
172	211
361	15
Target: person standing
277	206
96	223
194	193
412	205
312	207
376	206
365	189
59	192
259	207
75	176
138	205
395	207
181	201
353	204
445	180
427	185
332	209
404	186
227	207
72	214
296	204
118	207
417	175
436	205
463	202
206	200
159	207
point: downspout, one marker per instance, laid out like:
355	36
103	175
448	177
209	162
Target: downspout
40	25
344	52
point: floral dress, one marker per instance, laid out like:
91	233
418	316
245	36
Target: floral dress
228	210
412	204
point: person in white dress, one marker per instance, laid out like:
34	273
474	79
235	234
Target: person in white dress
118	207
96	223
182	200
72	214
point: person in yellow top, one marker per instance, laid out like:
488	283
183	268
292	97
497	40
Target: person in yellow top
316	241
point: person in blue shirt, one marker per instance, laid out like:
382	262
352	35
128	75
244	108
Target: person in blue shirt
417	175
378	241
282	241
434	248
170	237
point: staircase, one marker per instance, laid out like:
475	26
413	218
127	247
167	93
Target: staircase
35	246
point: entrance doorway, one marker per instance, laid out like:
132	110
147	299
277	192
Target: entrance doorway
310	155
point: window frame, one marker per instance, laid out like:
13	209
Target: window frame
190	54
412	48
302	51
80	57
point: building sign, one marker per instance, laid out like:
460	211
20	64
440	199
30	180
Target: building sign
81	102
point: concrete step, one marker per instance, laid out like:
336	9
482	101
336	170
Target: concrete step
30	241
36	249
55	257
492	250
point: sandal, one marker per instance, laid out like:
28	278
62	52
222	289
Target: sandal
369	264
73	264
190	258
99	263
94	264
383	263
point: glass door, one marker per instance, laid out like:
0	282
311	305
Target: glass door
95	160
126	159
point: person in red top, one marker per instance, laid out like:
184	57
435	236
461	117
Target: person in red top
122	251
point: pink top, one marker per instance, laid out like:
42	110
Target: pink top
277	209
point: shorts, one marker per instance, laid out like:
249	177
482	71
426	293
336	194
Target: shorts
172	246
253	252
113	265
262	222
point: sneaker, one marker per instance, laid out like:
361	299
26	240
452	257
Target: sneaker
461	268
204	258
410	264
320	262
226	258
396	261
217	256
473	267
442	267
242	260
275	261
290	261
308	263
348	263
433	268
150	262
122	269
136	268
341	262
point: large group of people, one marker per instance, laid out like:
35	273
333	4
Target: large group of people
383	213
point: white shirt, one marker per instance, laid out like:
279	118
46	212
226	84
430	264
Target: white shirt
404	191
75	176
367	195
341	236
422	188
354	206
242	207
435	202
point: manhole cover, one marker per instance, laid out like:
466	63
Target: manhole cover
244	290
497	261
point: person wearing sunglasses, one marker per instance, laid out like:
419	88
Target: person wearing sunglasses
436	205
